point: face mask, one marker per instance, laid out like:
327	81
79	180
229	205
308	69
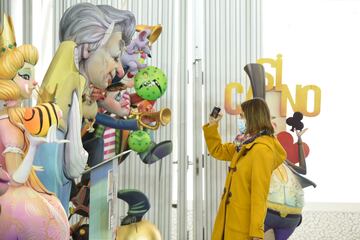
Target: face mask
241	125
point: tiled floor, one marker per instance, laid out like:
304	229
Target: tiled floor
316	225
328	226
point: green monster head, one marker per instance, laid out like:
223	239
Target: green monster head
150	83
139	141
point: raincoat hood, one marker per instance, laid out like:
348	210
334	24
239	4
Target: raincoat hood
275	146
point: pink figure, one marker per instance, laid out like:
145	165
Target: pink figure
28	209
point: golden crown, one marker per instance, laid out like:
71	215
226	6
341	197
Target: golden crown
7	35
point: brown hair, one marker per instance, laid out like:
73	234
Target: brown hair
257	115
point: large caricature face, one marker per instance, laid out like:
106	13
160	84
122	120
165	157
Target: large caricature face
112	102
25	80
102	65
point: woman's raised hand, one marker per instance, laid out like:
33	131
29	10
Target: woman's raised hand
213	121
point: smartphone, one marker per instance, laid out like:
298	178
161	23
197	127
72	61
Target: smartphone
215	112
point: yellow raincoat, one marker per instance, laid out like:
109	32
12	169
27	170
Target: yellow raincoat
242	210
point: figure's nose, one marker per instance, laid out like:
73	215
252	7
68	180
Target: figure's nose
34	83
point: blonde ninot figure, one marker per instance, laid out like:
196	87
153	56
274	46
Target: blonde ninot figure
28	209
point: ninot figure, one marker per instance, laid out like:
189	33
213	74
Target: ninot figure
92	38
131	57
286	195
28	209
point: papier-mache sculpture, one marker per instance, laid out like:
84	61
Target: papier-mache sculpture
286	197
29	210
92	38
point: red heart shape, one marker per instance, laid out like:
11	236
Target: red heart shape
291	148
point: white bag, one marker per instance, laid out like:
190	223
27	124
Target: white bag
75	155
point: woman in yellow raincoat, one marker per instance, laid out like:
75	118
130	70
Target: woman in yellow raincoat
242	209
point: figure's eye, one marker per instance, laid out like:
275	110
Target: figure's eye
118	96
24	76
116	59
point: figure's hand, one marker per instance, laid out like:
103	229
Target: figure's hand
241	137
38	168
213	121
145	106
50	138
125	104
129	82
125	100
34	141
97	93
300	133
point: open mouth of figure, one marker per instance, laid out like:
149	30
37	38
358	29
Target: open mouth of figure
4	181
3	186
4	178
151	83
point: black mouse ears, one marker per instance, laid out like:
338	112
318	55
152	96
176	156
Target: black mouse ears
295	121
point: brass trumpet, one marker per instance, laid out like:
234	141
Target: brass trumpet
162	117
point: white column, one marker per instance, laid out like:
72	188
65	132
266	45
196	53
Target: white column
232	39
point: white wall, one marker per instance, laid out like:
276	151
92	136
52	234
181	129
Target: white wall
319	41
